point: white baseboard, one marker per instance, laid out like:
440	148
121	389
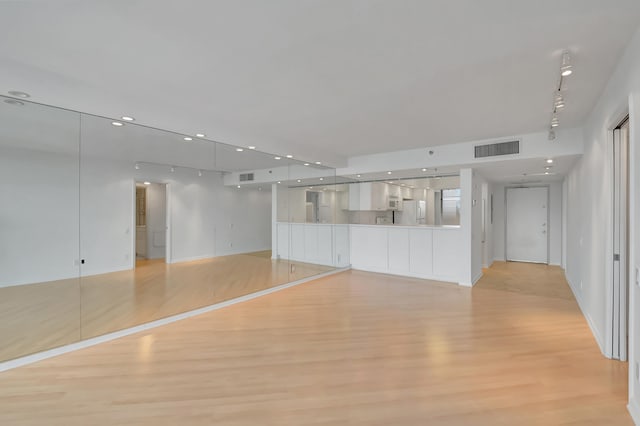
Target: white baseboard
598	338
634	410
30	359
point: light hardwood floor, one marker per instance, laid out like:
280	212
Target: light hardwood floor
355	348
42	316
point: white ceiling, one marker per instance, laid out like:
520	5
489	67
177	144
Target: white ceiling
322	80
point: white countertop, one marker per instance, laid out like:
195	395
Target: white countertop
387	225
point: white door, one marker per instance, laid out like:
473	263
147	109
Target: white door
527	224
620	240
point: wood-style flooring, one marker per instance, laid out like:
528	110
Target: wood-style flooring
354	348
42	316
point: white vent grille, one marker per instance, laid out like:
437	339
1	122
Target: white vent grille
246	177
494	149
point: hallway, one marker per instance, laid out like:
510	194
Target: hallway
352	348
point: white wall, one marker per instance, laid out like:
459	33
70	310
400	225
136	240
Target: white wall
555	222
38	216
156	220
476	226
589	214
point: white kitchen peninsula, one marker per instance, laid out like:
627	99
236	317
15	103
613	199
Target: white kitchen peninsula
430	252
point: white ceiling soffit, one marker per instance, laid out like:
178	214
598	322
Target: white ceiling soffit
322	80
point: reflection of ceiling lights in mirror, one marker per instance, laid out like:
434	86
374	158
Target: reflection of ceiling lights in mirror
279	182
299	181
187	138
137	166
388	173
277	158
117	124
239	149
127	118
19	94
306	164
13	102
358	175
251	147
200	135
172	169
424	170
549	160
239	187
199	173
321	178
147	183
289	156
318	162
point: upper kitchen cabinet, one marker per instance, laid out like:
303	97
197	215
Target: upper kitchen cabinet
370	196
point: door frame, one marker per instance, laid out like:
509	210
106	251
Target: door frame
167	257
616	348
506	213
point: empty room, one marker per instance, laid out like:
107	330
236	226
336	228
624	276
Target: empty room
320	212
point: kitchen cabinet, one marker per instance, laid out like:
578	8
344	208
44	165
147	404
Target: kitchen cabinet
369	196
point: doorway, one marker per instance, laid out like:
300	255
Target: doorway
527	236
151	222
620	240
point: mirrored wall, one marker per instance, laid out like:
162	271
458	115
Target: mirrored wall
107	224
409	201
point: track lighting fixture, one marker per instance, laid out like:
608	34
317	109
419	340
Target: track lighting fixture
565	69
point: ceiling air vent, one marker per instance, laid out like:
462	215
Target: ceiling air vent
246	177
502	148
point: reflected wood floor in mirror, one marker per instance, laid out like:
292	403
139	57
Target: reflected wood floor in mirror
42	316
354	348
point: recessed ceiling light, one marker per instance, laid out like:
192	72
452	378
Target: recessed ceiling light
239	149
289	156
127	118
424	170
279	182
358	175
19	94
13	102
318	162
321	178
299	181
200	135
117	124
251	147
306	164
546	173
239	187
388	173
277	158
187	138
549	160
147	183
